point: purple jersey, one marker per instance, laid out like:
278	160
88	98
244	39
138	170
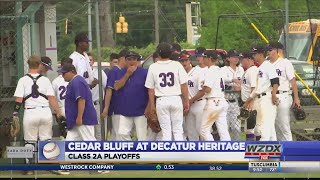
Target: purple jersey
77	88
113	76
134	95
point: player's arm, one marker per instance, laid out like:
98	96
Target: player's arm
292	79
106	103
199	95
81	105
120	83
185	94
54	104
152	98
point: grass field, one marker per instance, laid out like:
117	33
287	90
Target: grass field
162	174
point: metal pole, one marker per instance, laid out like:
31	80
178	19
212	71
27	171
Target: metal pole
89	25
156	21
99	67
217	33
287	50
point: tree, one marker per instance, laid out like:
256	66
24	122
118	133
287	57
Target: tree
106	30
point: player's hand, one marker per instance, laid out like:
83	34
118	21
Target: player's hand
94	83
275	100
79	121
237	81
147	113
131	70
186	106
104	113
296	103
237	87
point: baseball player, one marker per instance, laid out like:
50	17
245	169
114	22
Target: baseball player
95	97
197	102
111	107
166	81
232	77
248	83
285	72
134	99
81	60
36	93
265	95
215	110
60	86
113	61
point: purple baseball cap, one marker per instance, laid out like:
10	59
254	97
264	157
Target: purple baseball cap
46	61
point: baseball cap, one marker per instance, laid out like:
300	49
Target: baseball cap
211	54
81	37
67	68
232	53
184	55
176	47
133	54
274	45
246	54
46	61
165	48
199	51
258	49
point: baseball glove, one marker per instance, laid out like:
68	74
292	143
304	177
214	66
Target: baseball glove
15	126
62	121
153	123
244	114
249	116
299	113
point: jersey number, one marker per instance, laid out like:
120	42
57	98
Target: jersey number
62	90
167	79
222	85
86	75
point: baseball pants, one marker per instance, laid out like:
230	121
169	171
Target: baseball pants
266	115
170	115
97	128
234	123
115	127
81	133
215	111
282	123
126	125
37	124
152	136
194	119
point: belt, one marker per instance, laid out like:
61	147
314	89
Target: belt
37	107
281	92
213	98
96	102
262	94
232	100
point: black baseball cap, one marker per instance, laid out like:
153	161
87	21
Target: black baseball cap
67	68
274	45
199	51
176	47
46	61
257	50
232	53
246	54
211	54
81	37
133	54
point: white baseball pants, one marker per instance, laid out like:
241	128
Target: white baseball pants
266	115
152	136
37	124
97	128
115	127
170	115
81	133
126	125
234	123
215	111
282	123
193	120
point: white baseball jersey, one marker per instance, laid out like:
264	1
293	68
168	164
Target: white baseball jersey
248	81
165	77
60	89
214	80
229	74
95	90
285	72
265	74
195	80
24	88
82	64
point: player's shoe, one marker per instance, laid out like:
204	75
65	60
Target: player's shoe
60	172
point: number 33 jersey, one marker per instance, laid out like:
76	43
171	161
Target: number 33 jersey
60	89
165	77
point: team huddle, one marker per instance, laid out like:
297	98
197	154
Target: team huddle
185	100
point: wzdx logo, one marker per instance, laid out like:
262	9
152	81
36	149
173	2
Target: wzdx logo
263	151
